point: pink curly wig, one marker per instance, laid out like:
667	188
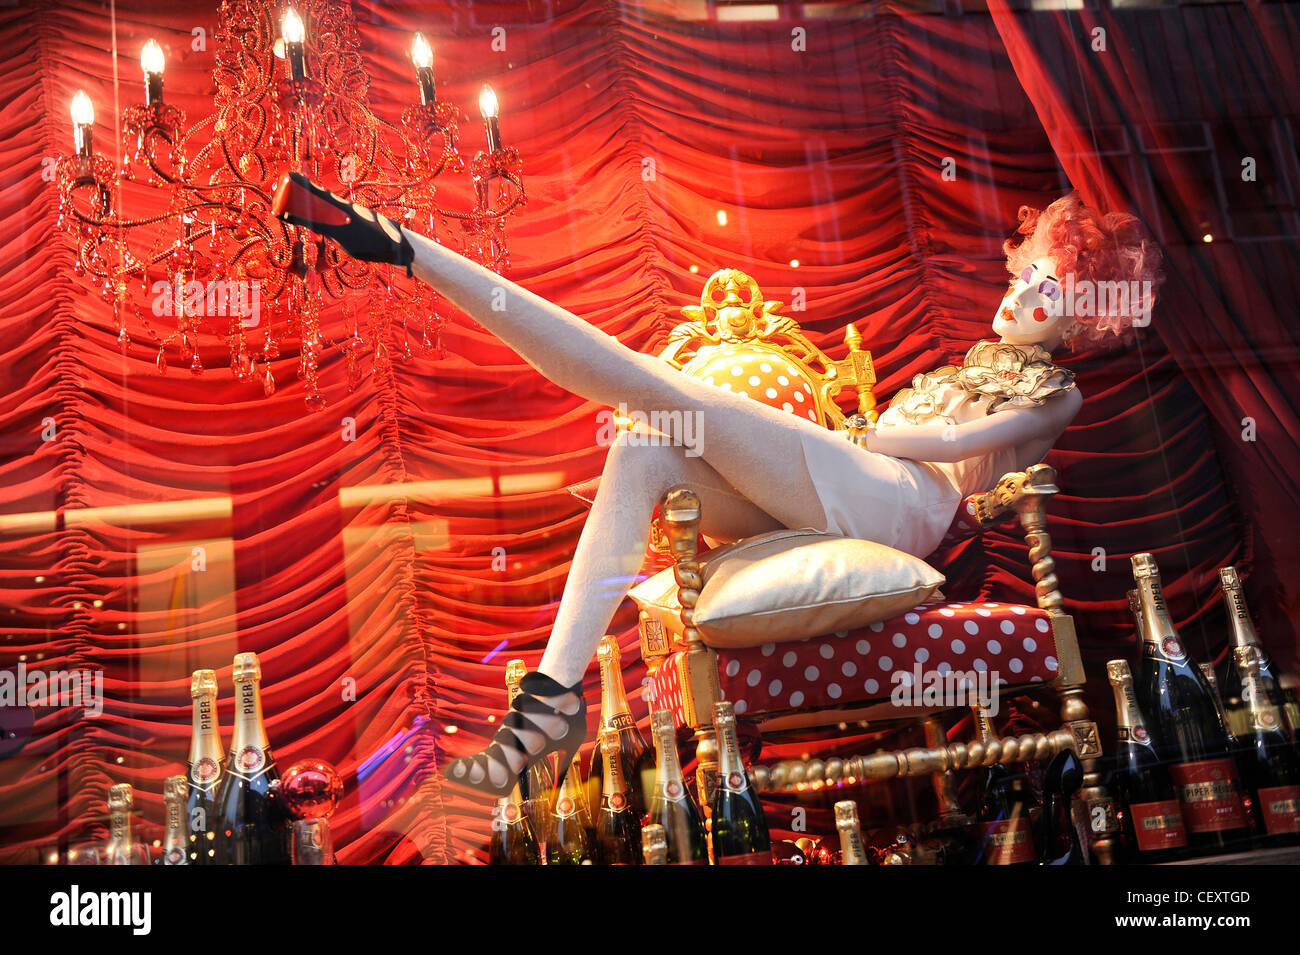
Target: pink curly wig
1093	248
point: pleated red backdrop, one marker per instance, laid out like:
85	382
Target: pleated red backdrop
384	618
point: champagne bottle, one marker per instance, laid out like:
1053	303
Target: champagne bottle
1152	817
204	769
1003	808
537	784
1269	763
654	844
1241	633
121	846
1189	735
638	758
513	842
250	829
671	803
618	826
569	840
852	851
176	842
738	827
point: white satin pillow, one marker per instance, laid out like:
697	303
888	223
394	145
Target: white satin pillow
790	584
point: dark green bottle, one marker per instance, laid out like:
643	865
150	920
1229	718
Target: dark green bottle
671	803
1241	634
250	828
512	842
569	841
204	769
618	824
1184	721
1267	756
1152	816
615	713
739	833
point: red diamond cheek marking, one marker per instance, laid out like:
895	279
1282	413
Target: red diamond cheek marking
1040	314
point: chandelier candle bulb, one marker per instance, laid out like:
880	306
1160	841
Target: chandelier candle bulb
295	50
83	118
153	63
422	57
487	105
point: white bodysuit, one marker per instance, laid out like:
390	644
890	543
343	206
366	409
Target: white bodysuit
909	505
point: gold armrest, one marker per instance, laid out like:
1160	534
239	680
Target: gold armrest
1025	493
1016	492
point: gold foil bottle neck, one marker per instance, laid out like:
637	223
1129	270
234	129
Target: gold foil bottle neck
516	670
724	714
175	788
661	721
654	844
247	668
608	653
203	683
1248	657
121	797
1144	566
846	813
1117	671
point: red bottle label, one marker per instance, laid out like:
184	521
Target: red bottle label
1280	806
747	858
1211	802
1158	825
1009	841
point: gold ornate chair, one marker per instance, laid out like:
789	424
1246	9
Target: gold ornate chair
825	681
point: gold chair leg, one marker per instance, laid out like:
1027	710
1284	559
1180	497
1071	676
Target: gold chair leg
698	674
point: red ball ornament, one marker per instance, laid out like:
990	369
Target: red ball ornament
310	789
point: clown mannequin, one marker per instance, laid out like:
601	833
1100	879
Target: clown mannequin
954	433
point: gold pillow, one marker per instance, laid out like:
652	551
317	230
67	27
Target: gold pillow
790	584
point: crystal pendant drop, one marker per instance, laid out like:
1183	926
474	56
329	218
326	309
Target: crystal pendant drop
268	382
161	362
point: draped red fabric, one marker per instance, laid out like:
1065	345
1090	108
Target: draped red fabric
386	567
1176	114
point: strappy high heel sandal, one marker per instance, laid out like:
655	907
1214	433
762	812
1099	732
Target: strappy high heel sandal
360	232
532	688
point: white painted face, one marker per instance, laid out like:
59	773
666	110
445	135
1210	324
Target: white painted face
1033	310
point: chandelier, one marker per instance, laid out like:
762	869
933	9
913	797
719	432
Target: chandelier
180	237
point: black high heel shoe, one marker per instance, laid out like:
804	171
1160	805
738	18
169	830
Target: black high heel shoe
532	687
360	232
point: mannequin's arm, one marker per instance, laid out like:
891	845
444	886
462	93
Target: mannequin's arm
1004	429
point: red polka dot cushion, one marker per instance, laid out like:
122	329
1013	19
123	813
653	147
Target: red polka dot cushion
766	375
1008	644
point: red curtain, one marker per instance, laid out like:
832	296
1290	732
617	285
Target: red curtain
886	154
